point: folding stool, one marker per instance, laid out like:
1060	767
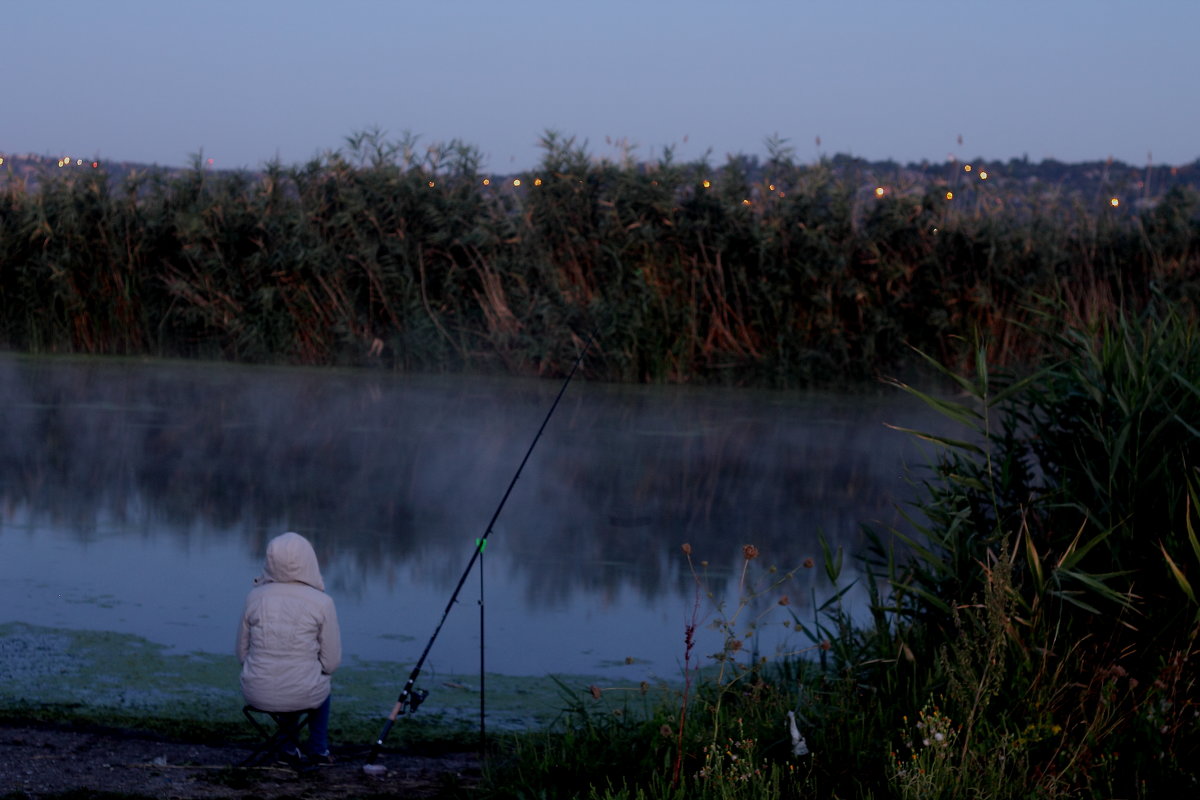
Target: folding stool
288	726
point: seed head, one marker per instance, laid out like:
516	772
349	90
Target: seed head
749	552
809	563
595	690
687	549
784	601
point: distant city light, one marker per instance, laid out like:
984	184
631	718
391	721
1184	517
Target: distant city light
537	181
746	202
879	190
771	187
983	176
706	183
431	184
516	181
210	162
966	167
949	195
1114	202
95	164
1	161
487	182
79	162
781	194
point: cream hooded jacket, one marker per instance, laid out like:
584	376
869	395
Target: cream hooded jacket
288	643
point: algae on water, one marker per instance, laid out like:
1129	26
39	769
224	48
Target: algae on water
122	678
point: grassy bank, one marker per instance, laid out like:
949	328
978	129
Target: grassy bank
383	253
1037	638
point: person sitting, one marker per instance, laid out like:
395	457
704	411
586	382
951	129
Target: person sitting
289	643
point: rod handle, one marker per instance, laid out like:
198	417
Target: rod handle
375	748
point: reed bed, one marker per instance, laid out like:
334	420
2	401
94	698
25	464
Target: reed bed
775	274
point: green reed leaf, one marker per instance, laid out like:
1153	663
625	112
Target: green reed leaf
1177	573
945	441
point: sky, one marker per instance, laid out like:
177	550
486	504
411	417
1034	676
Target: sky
246	82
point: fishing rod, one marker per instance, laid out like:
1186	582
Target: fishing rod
411	698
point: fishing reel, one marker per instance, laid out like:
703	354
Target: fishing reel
414	700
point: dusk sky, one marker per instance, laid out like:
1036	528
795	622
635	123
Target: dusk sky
248	81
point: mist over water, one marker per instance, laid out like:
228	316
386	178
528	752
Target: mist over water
139	496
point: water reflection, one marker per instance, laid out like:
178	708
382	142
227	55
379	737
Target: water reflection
139	497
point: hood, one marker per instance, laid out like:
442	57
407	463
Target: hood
291	559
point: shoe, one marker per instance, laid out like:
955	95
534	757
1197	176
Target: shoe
291	758
321	759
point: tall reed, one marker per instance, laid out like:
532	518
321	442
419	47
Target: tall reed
1052	584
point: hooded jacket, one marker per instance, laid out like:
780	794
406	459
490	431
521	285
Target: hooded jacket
288	643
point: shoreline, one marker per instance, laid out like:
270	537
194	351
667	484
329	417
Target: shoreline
82	677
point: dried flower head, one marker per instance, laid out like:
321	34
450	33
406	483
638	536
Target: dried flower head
666	731
809	563
784	601
826	645
735	645
749	552
595	690
687	549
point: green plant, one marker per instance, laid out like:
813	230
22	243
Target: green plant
1049	557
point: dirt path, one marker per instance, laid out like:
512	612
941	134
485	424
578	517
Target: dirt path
44	762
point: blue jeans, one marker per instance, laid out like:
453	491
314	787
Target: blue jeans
318	729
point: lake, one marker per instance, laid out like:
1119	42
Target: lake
138	497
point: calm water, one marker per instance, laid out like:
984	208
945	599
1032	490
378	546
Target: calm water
138	497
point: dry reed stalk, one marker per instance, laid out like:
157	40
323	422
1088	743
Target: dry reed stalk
437	323
502	323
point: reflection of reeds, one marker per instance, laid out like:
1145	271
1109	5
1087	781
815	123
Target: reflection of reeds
382	472
384	253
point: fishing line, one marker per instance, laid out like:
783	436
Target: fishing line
411	698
